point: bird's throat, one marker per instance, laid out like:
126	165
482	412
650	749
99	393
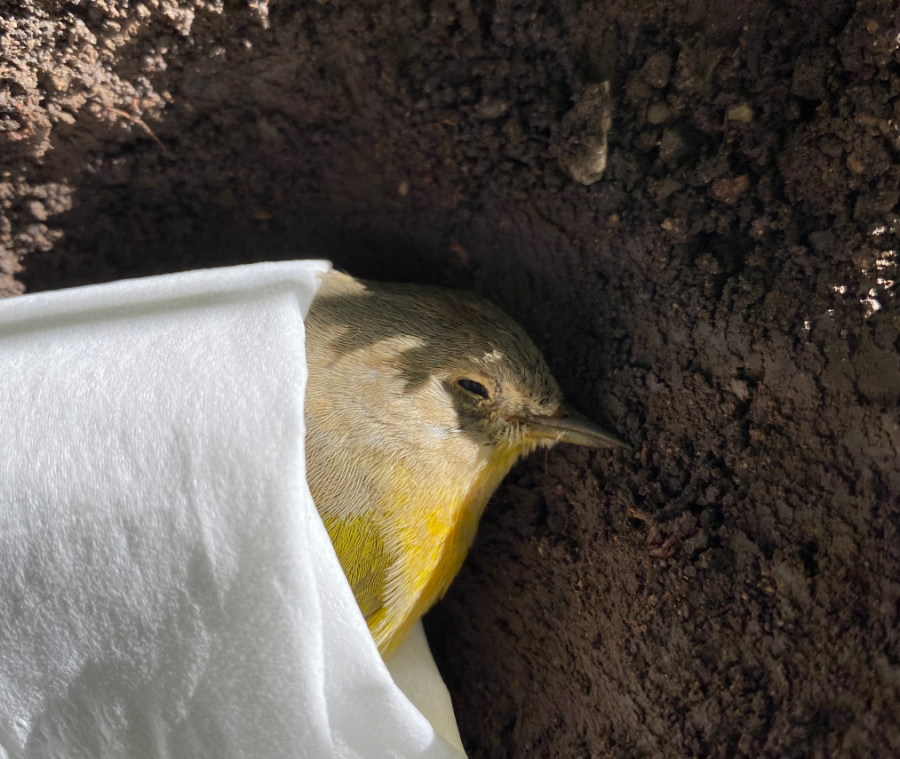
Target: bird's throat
430	565
401	556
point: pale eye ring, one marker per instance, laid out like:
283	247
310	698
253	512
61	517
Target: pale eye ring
476	388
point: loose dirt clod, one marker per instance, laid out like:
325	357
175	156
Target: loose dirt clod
581	142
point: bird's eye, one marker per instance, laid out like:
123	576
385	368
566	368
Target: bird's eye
476	388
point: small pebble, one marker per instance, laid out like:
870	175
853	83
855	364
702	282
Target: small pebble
832	146
664	188
658	113
740	389
657	69
671	146
758	227
728	190
675	227
37	210
855	165
742	113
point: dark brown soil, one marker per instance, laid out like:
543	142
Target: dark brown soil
723	297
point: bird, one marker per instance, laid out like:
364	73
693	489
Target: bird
419	400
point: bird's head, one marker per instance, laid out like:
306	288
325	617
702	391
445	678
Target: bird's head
501	387
455	351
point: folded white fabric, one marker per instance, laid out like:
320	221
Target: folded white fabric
167	588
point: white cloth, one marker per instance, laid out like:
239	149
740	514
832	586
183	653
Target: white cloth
167	588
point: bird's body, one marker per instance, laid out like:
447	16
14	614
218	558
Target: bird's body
419	402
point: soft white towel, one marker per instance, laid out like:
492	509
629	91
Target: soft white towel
167	588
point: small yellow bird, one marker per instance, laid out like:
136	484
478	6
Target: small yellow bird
419	402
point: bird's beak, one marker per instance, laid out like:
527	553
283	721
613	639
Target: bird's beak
568	426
